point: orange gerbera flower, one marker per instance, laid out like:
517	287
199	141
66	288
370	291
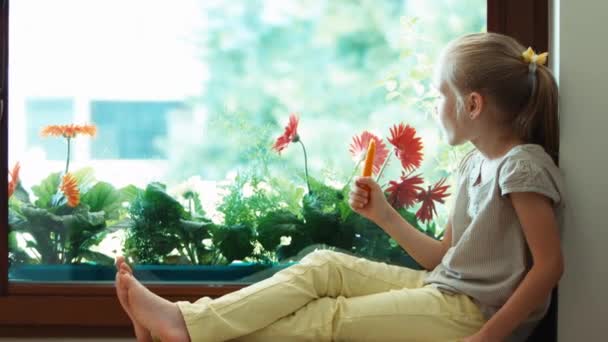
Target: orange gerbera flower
69	186
428	199
404	193
358	149
408	147
68	131
12	184
290	135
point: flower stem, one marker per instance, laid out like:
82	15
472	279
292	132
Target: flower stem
67	161
305	166
383	167
352	175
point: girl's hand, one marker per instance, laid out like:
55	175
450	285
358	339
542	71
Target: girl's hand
367	199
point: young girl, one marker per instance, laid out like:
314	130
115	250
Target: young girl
489	279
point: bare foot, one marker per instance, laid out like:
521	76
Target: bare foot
162	317
141	333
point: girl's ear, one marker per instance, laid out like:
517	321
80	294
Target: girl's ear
475	105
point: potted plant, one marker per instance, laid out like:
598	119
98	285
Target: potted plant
167	242
68	216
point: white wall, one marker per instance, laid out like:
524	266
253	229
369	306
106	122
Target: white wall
581	33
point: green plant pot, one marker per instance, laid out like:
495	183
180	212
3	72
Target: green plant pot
161	273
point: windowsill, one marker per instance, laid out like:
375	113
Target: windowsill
89	310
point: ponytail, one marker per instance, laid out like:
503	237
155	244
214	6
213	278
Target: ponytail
538	123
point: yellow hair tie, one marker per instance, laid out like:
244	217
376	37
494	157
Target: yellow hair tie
531	57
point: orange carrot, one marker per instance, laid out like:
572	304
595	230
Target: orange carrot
369	159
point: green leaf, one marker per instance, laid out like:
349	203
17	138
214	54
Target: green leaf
130	192
274	225
85	229
234	242
46	190
15	219
46	228
21	194
320	223
84	218
240	209
155	222
12	241
431	229
97	258
299	241
16	255
103	197
85	178
41	220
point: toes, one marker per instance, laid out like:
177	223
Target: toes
124	279
126	268
121	265
119	260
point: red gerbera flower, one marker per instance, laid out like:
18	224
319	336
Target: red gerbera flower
428	199
405	192
408	147
12	184
358	149
290	135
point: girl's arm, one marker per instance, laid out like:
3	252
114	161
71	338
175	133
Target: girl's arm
427	251
368	200
540	228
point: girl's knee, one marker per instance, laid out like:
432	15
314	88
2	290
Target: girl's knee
319	255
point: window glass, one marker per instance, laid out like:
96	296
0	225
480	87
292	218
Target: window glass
146	129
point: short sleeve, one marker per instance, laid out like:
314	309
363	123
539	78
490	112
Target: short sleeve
523	175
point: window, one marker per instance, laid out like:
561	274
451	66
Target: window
130	130
43	112
163	115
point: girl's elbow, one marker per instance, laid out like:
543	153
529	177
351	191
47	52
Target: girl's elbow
552	267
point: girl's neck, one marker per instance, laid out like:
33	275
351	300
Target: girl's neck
494	145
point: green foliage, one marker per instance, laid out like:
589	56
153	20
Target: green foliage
274	225
191	235
61	238
103	197
234	241
47	190
155	216
328	59
56	233
160	225
241	208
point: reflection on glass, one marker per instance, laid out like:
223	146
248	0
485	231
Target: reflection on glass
152	136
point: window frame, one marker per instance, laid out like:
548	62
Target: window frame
64	310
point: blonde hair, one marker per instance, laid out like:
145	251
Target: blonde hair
526	98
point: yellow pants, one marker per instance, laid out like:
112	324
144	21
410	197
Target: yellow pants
332	296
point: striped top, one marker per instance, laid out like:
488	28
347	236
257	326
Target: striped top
489	257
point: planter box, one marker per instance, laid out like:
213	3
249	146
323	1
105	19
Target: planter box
156	273
234	273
